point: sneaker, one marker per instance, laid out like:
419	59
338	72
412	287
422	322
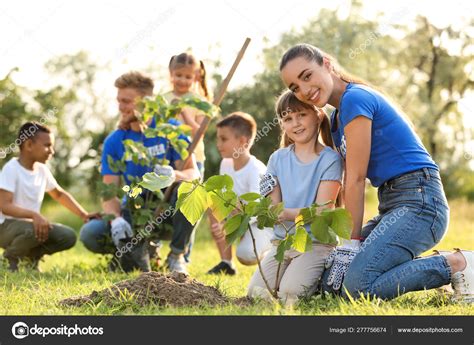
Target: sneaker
463	281
223	268
13	263
176	263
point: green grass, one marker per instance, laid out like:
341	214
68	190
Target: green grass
78	272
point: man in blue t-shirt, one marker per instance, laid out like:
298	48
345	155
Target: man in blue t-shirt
103	237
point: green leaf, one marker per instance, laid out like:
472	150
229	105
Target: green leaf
112	164
276	210
250	196
154	182
233	224
237	234
302	241
250	208
218	182
195	203
341	222
222	204
282	248
307	214
321	231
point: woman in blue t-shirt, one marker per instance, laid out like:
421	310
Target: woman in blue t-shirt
378	143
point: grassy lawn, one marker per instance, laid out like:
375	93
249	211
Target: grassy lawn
78	272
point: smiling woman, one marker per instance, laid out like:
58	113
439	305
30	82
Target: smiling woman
377	143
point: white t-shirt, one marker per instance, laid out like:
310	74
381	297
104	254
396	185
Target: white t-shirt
247	178
28	186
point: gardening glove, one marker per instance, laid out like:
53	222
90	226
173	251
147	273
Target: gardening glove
267	184
120	230
339	261
165	170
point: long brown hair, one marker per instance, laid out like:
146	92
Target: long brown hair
312	53
187	59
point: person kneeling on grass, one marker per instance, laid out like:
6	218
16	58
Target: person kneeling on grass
116	236
24	232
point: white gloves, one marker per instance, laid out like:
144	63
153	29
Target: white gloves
339	261
120	230
267	184
165	170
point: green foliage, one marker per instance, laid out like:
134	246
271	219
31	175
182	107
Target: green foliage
194	198
142	204
154	182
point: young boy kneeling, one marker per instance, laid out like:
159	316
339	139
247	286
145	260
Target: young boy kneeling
24	232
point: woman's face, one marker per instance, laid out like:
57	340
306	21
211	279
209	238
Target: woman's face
310	82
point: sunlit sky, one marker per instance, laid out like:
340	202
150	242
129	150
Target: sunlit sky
130	35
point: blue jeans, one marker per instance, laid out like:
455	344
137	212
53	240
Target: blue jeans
95	235
413	217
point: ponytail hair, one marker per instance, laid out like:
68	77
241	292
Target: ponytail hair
312	53
189	60
202	78
287	103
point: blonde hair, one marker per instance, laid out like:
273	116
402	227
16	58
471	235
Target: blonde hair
187	59
135	80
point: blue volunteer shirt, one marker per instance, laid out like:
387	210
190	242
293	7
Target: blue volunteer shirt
156	146
395	149
299	182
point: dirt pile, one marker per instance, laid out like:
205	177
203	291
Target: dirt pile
175	289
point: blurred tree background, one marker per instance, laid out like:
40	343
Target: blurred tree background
427	70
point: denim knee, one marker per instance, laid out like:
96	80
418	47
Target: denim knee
353	285
91	234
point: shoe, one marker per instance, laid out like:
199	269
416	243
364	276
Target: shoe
13	263
223	268
463	281
176	263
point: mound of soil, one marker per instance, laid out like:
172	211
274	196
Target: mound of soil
175	289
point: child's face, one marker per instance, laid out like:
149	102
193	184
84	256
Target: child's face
229	143
301	125
182	79
40	148
127	99
310	82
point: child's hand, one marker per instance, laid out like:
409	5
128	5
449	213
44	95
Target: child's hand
41	227
93	215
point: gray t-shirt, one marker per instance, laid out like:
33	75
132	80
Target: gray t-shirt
299	182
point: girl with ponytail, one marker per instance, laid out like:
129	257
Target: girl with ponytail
302	172
188	78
